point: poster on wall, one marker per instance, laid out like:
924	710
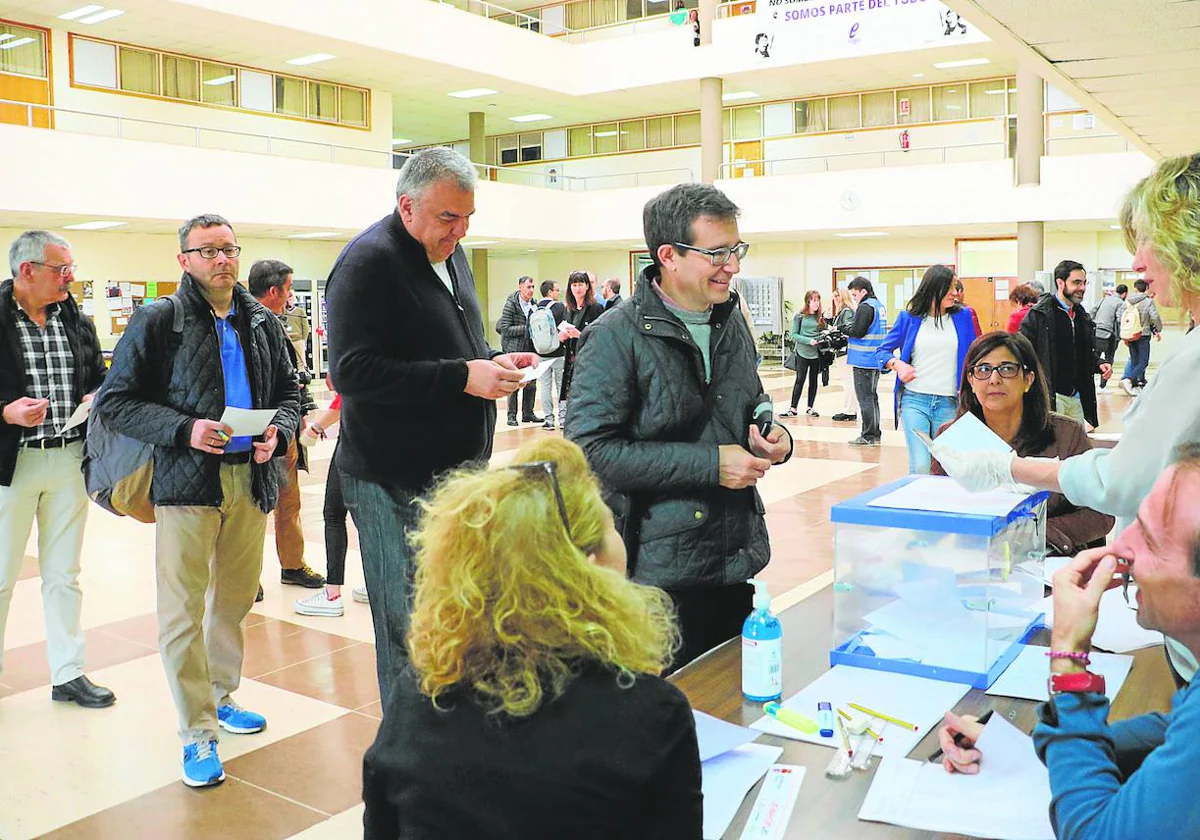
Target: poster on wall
820	30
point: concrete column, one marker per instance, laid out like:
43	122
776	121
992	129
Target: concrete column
708	13
478	147
1031	249
479	268
1031	127
711	135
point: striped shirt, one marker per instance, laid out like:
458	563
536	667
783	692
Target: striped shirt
49	371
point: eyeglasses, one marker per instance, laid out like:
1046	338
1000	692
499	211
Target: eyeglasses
1007	370
210	252
718	256
63	270
550	470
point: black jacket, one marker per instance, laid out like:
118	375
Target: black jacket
399	344
513	326
613	302
89	368
581	319
162	382
638	393
600	762
1067	351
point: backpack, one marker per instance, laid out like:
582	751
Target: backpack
117	469
543	330
1131	324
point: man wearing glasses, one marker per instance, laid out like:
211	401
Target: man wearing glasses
662	404
211	490
50	363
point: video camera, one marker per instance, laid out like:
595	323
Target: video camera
831	341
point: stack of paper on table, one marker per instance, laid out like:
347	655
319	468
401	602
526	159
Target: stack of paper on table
1009	799
945	495
916	700
730	765
1026	676
1116	628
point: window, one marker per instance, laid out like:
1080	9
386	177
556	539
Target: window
579	142
354	106
255	90
747	123
878	108
658	133
917	108
950	102
218	84
531	147
322	101
687	129
633	136
24	51
605	139
289	96
779	119
810	116
139	71
989	99
506	147
94	63
181	78
843	112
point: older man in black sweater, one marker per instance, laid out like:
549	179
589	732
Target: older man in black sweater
418	381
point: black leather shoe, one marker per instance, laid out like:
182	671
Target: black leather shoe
512	421
533	418
303	576
845	418
83	692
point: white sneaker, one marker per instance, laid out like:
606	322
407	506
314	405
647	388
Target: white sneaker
360	595
1127	387
319	604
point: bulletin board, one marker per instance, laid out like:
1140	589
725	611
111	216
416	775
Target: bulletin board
126	296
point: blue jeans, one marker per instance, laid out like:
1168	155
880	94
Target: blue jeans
923	413
385	516
1139	360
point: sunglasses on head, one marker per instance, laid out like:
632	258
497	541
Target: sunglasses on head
548	469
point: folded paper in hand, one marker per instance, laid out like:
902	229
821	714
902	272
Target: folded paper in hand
247	422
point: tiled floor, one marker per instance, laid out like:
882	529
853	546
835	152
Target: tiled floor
114	773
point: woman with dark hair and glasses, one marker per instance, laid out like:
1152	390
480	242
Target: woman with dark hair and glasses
582	311
1004	388
932	335
533	705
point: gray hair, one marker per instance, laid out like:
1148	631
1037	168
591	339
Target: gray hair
205	220
1037	286
428	167
30	246
668	217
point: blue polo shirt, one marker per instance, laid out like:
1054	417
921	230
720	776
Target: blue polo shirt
233	366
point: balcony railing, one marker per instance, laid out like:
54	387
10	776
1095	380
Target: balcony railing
589	20
953	153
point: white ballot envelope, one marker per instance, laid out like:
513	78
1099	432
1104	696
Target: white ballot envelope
77	417
247	422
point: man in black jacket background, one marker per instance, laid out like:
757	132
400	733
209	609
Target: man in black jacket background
418	381
50	363
513	328
211	492
663	396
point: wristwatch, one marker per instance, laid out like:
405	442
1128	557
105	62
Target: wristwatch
1075	683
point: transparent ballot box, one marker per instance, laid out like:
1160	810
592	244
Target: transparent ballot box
937	582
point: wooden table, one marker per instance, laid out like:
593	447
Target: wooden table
827	808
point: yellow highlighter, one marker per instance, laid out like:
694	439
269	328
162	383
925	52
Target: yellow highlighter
793	719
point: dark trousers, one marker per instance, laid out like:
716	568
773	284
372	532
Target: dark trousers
806	368
708	617
1139	359
1106	349
527	394
336	539
866	384
385	516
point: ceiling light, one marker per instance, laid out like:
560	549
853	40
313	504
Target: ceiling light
966	62
321	234
736	95
80	12
310	59
951	90
20	42
93	226
102	16
222	80
530	118
1114	227
953	107
862	234
471	93
400	141
996	92
918	75
609	133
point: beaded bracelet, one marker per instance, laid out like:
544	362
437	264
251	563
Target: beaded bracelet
1062	654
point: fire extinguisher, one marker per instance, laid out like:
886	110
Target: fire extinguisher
905	142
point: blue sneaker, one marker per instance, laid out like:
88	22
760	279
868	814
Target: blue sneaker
237	720
201	767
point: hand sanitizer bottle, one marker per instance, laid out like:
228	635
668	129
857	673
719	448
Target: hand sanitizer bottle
762	650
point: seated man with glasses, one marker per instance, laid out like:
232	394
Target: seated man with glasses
1004	387
169	385
663	396
532	706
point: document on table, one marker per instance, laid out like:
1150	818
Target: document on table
535	372
773	807
1009	799
715	736
916	700
247	422
1026	676
945	495
1116	628
727	778
78	416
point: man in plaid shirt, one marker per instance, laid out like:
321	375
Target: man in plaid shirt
50	363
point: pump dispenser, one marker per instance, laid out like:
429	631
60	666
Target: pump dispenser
762	650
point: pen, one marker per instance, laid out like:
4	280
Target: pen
793	719
845	740
958	739
881	716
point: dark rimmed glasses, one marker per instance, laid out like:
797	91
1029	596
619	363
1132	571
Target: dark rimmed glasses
549	469
209	252
718	256
1007	370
